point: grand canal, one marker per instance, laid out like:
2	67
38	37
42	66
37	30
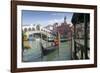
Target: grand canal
34	54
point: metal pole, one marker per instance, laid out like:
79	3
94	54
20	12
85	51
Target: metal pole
58	40
41	45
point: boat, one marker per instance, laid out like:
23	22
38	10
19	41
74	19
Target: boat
48	50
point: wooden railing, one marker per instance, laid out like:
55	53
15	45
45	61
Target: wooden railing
80	51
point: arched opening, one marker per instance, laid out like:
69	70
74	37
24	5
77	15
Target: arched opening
41	29
25	29
33	29
38	27
29	29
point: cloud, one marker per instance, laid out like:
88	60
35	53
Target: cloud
57	14
55	20
59	21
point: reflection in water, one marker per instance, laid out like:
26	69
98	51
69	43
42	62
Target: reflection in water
35	53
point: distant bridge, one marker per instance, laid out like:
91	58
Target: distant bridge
40	32
32	29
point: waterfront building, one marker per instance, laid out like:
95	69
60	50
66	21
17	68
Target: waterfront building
81	39
64	29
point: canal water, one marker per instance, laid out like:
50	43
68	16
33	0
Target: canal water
35	53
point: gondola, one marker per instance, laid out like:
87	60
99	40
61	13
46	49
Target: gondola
46	51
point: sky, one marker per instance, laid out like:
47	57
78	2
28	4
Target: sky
44	18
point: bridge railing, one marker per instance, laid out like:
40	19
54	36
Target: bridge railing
80	50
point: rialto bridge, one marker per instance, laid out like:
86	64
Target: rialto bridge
36	29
